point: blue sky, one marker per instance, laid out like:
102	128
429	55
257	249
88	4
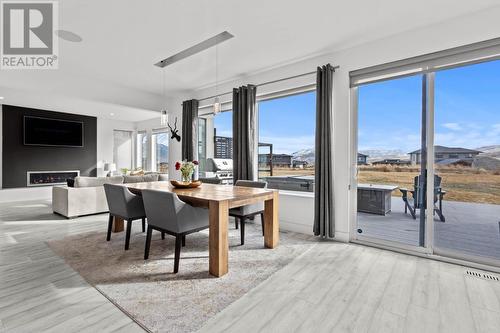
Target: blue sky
287	123
467	113
467	110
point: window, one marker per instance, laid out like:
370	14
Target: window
215	134
223	135
286	141
142	150
202	142
159	156
122	149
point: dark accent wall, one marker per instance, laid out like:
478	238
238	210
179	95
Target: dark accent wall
18	159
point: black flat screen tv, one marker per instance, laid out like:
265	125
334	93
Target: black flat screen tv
40	131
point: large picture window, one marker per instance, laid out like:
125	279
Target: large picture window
286	141
142	150
159	156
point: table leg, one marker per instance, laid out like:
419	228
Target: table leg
118	225
218	246
271	221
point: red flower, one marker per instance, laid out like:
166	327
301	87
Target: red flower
177	165
196	162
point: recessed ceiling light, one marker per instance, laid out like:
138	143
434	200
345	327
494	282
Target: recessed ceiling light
68	36
111	114
1	97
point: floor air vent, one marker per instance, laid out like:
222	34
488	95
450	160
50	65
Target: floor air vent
484	276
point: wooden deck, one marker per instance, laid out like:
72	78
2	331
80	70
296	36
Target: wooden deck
470	228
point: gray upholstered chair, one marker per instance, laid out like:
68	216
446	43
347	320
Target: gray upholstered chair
168	214
124	204
242	213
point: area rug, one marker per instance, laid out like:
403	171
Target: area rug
161	301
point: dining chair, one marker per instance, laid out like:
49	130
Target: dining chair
168	214
124	204
242	213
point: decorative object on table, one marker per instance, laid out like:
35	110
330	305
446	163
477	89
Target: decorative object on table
178	184
124	171
174	131
109	168
187	169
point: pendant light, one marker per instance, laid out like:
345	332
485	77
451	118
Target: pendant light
163	112
217	105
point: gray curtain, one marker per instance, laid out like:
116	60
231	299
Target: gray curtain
324	211
190	130
244	133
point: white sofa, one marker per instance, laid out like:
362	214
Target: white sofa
88	197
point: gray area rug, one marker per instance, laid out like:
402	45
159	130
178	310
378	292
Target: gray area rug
161	301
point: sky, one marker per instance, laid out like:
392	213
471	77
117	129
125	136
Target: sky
288	123
467	113
467	110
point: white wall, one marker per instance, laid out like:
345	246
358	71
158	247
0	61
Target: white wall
459	31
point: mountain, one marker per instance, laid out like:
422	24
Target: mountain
380	154
304	155
491	151
373	154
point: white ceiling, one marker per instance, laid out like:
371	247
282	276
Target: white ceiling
123	38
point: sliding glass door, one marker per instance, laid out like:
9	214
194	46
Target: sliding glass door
428	162
467	160
392	119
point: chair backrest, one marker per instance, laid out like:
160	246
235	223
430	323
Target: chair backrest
122	202
416	185
161	209
251	183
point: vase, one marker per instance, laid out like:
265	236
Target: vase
187	177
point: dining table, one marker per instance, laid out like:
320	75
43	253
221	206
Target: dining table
218	199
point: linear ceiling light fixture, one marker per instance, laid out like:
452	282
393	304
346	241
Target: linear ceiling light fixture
202	46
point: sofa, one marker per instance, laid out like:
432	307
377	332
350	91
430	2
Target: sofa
86	195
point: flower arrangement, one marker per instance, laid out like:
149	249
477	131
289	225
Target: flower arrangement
187	169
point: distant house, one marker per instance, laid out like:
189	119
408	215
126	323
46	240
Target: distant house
447	155
278	160
392	161
299	164
362	159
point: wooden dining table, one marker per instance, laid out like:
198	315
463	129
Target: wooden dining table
218	199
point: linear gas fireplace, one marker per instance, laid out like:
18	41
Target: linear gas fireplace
45	178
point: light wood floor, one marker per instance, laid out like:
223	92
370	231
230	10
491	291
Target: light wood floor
349	288
38	291
331	288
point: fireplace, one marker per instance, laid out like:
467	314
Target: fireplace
45	178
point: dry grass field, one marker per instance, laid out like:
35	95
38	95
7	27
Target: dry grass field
460	183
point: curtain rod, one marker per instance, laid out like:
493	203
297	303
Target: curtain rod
268	82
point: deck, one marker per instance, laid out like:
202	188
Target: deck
470	228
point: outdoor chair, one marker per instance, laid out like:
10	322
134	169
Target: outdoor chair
414	202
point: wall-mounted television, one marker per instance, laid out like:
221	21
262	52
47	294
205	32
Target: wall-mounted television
40	131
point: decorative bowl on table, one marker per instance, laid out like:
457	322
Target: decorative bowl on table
179	184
